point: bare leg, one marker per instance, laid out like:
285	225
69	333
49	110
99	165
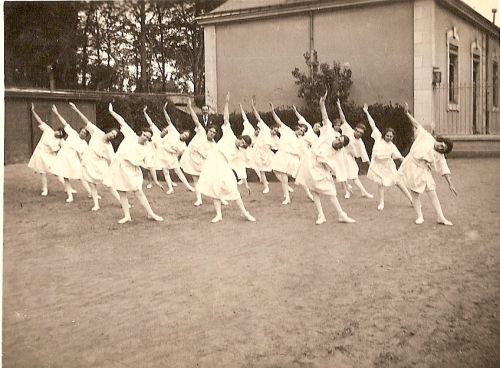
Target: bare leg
86	186
243	210
115	194
347	188
218	211
95	198
405	190
168	179
417	205
45	191
183	179
364	193
265	182
149	179
69	192
308	193
437	207
145	203
283	178
321	215
342	215
125	208
154	177
197	192
380	197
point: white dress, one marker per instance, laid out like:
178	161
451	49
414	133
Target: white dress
171	147
249	153
238	160
125	173
263	155
316	168
98	156
287	159
67	163
193	158
217	179
355	149
422	158
45	151
382	168
152	160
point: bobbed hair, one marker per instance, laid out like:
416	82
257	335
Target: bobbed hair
447	142
361	126
247	139
387	130
345	141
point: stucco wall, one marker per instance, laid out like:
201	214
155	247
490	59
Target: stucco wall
21	130
256	59
494	116
377	41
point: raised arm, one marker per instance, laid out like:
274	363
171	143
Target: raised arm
226	110
243	114
300	118
255	112
35	115
341	113
169	121
83	117
148	119
322	107
275	116
61	119
369	117
193	115
117	117
412	119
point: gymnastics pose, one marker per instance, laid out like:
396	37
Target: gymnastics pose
152	160
193	158
45	151
97	158
312	133
382	169
315	172
217	179
172	146
125	174
263	154
355	149
253	133
287	160
426	154
67	163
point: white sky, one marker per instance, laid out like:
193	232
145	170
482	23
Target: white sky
484	7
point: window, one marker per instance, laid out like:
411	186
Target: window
453	45
495	84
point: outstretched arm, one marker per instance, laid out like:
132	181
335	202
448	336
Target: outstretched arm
35	115
341	113
369	117
275	116
193	115
243	114
450	184
412	119
148	119
61	119
322	107
83	117
226	110
255	112
117	117
167	118
300	118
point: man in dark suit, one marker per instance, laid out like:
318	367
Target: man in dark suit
204	117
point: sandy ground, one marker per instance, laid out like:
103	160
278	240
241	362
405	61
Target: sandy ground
82	291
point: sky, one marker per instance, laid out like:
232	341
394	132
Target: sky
484	7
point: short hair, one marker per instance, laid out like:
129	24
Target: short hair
247	139
186	130
337	121
146	130
212	126
345	141
387	130
304	126
448	142
361	126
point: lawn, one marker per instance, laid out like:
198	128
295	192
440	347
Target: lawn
82	291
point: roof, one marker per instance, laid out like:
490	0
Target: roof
237	10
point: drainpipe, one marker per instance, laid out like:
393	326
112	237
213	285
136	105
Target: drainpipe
311	39
487	127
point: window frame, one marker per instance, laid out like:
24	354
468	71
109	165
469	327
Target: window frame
453	47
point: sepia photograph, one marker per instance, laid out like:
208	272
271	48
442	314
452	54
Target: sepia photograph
251	183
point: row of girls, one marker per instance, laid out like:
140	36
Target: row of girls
313	155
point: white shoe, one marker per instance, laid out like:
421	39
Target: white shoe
286	201
216	219
44	193
96	208
240	182
347	195
290	189
170	191
346	219
155	217
190	188
124	220
174	184
310	197
198	203
249	217
266	190
69	199
73	191
419	221
224	202
445	222
321	220
367	195
380	206
149	186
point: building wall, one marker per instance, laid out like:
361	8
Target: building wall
256	58
21	130
377	42
494	112
450	121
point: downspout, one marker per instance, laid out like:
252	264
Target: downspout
487	127
311	40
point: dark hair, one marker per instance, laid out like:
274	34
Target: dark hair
146	130
304	126
115	129
186	130
273	126
447	142
247	139
345	141
212	126
278	134
387	130
361	126
337	121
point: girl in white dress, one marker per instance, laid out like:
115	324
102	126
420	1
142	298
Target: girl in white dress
194	157
45	151
253	133
382	168
125	173
217	179
97	158
173	144
426	154
67	164
263	146
287	160
355	149
152	160
316	173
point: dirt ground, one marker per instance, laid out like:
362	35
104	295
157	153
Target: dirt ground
82	291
